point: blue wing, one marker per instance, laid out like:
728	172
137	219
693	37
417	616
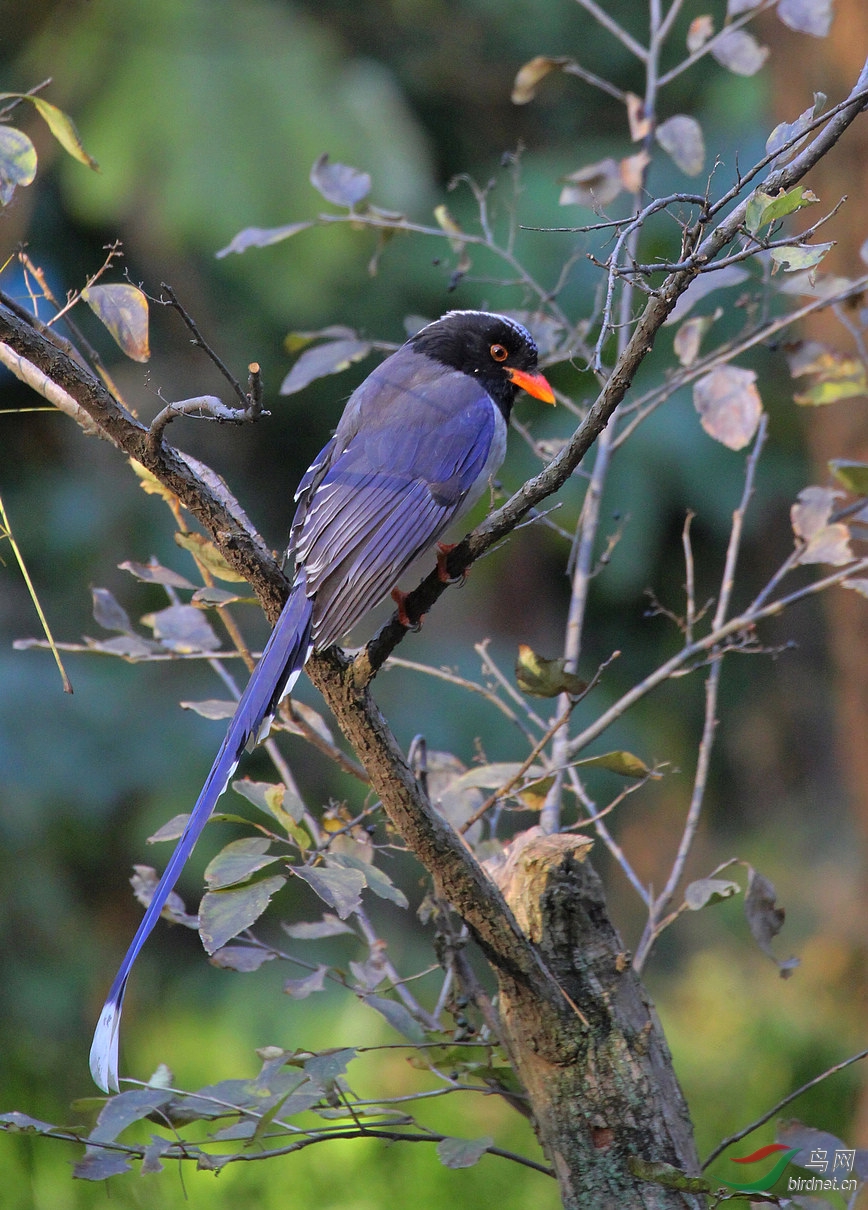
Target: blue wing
413	449
408	457
283	658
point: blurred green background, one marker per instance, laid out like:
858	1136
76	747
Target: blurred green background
205	116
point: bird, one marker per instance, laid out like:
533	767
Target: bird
418	443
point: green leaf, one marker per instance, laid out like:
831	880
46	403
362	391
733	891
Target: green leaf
63	128
154	573
462	1153
540	677
206	553
824	541
243	958
261	237
765	919
212	708
17	162
824	392
623	763
399	1017
121	1111
376	879
273	798
225	914
20	1123
469	1059
689	336
791	135
123	309
854	475
341	889
681	138
729	405
151	1155
796	258
313	930
144	882
756	206
329	1065
108	613
788	203
238	861
739	52
763	209
171	830
807	16
300	989
339	183
331	358
182	628
704	891
99	1164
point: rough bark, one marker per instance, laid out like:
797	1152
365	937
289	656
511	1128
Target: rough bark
603	1093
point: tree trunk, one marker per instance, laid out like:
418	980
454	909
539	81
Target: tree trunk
604	1094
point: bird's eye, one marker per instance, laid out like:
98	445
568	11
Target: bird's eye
498	352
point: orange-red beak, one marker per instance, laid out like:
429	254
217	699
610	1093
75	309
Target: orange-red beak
534	384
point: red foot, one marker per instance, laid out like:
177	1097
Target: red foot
403	617
443	549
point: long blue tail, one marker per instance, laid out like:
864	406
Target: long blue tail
282	660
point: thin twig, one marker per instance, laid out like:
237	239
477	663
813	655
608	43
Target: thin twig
644	405
616	30
743	622
708	47
760	1121
200	341
607	838
488	663
404	994
504	790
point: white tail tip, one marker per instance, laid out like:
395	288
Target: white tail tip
104	1049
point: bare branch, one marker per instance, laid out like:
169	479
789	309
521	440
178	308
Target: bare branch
770	1113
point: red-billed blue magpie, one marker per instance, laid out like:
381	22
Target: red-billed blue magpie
417	445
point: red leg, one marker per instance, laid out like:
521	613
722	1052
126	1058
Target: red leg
443	549
403	617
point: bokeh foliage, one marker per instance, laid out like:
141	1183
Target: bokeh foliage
205	118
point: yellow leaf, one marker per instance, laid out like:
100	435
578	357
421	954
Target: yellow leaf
532	73
123	309
539	677
623	763
151	484
205	552
63	128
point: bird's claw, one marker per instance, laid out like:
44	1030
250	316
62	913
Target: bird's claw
403	617
443	552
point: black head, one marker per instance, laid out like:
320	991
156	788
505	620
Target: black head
497	350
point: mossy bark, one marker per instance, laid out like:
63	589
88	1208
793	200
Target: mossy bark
603	1089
